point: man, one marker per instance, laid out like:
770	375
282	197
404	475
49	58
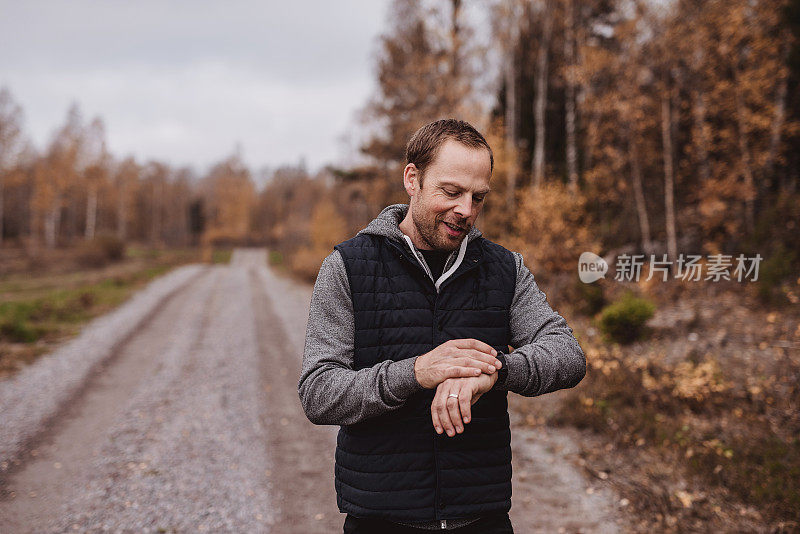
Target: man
405	350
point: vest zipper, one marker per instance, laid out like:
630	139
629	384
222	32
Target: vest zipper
437	493
438	503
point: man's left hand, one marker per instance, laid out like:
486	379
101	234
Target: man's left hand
449	413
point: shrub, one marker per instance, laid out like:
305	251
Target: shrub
552	228
305	264
17	329
113	248
589	298
100	251
624	321
781	265
15	322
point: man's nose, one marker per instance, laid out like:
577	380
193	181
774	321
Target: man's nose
464	206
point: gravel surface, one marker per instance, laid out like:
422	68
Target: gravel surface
182	414
35	394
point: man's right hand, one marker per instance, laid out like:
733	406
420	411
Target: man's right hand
453	359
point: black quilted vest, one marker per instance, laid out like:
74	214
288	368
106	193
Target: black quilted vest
395	466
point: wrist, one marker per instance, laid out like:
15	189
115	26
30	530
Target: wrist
502	373
401	379
418	375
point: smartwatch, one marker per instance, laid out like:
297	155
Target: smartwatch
502	373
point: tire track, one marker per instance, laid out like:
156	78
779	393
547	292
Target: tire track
63	376
63	452
302	476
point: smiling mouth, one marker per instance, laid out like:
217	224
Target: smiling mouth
453	228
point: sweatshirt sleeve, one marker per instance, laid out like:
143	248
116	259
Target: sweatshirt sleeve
547	357
331	391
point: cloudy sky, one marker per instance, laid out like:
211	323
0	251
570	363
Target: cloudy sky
187	81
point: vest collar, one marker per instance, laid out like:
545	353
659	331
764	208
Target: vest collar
447	273
471	257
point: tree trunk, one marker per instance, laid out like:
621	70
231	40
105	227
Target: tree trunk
155	226
744	152
702	138
777	126
121	214
569	54
2	178
91	213
511	115
540	102
669	175
51	223
638	191
703	142
455	39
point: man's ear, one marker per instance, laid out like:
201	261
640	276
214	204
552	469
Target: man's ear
411	179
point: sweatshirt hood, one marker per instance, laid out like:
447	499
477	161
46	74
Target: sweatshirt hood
387	223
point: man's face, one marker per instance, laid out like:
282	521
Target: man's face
445	207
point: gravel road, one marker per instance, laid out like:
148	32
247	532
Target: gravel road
178	412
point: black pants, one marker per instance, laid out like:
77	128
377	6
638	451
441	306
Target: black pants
491	524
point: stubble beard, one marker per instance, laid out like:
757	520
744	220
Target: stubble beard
427	230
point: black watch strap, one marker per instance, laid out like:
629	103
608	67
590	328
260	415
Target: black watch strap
502	373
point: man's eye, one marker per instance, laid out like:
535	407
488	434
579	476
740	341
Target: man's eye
451	193
478	199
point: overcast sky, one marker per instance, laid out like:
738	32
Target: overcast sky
186	81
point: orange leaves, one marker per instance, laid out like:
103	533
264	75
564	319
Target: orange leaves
550	227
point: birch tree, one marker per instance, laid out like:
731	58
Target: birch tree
10	144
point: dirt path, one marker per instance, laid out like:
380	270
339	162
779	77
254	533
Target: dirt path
194	424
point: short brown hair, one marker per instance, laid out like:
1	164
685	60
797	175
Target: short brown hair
424	145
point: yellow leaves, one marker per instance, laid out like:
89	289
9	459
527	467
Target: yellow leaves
716	446
697	381
551	227
649	382
327	225
597	362
685	498
230	200
327	228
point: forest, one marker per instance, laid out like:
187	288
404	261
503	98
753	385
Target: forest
630	125
619	127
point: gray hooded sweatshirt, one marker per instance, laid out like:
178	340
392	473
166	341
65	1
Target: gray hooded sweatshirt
546	355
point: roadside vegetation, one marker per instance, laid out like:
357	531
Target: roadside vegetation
47	298
694	421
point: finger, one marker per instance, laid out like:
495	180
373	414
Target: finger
444	419
475	344
455	414
465	404
462	372
483	363
486	362
448	425
437	423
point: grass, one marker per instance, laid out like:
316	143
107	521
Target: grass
40	310
221	256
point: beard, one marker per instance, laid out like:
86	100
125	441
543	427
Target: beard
429	230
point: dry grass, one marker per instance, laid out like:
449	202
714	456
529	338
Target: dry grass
47	299
698	426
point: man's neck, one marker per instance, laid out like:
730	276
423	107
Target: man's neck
407	227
